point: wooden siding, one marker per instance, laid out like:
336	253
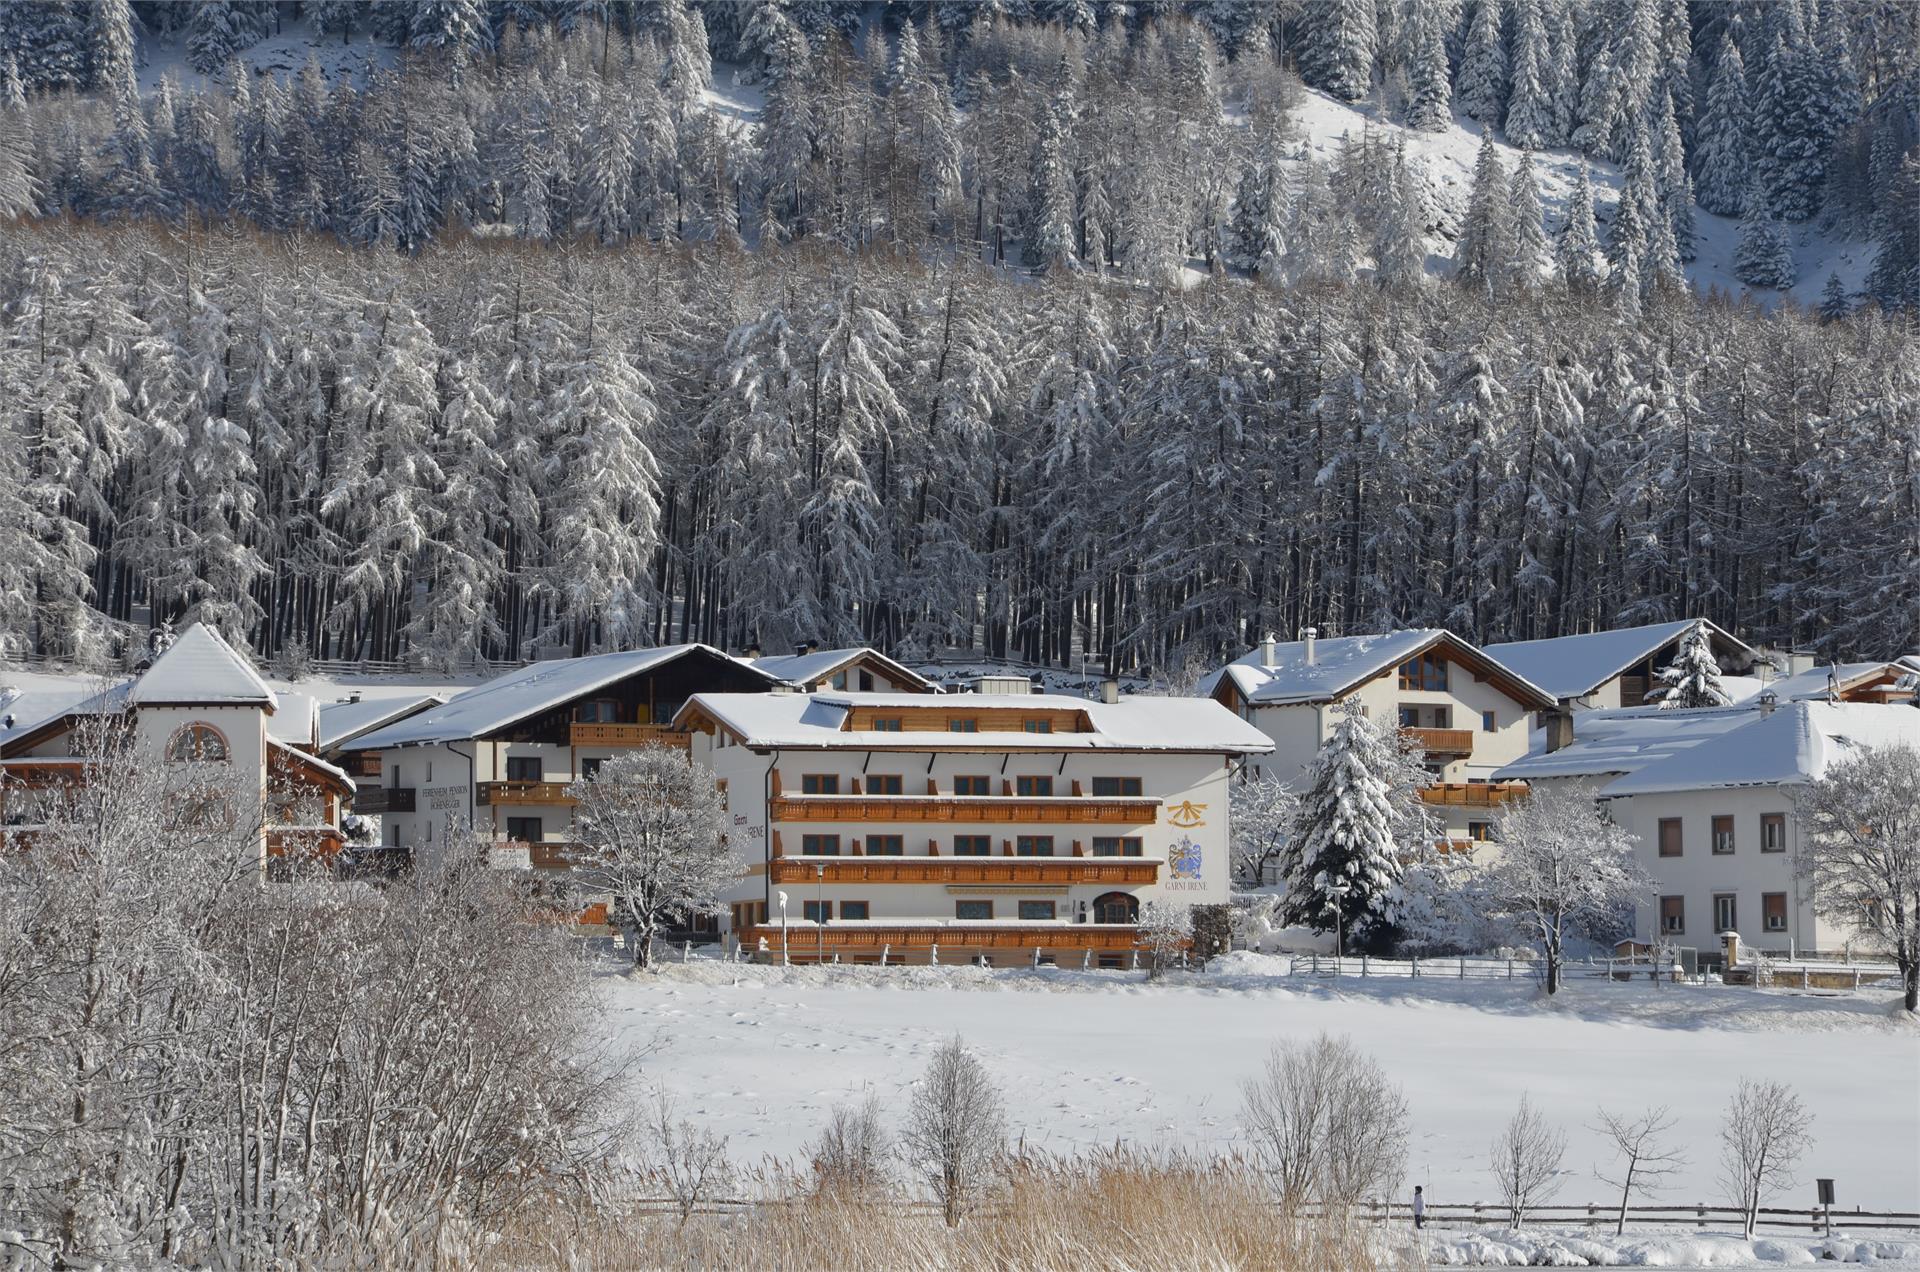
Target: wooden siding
987	719
628	735
501	794
1443	741
963	870
1473	794
967	810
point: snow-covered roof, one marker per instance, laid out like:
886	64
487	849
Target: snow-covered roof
539	687
1575	666
809	669
32	707
297	721
201	669
342	722
1794	744
794	720
1812	683
297	755
1342	663
1625	740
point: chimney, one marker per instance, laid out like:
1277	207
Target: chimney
1768	701
1109	691
753	652
1559	728
354	696
802	649
812	645
1266	651
1310	635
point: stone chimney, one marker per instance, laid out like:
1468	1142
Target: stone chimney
1559	728
1266	651
1109	691
1310	636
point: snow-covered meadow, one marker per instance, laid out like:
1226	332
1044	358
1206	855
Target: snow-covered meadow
762	1053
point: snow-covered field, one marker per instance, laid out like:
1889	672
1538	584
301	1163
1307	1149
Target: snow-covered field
761	1053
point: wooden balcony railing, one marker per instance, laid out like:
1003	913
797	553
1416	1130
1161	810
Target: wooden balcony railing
1443	741
361	764
968	810
963	870
372	800
490	794
547	854
1473	794
628	735
804	938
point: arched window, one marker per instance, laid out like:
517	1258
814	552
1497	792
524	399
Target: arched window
1116	907
198	743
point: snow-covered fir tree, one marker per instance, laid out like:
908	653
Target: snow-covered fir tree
1486	234
1482	85
1338	45
1722	156
1692	679
1764	258
1530	121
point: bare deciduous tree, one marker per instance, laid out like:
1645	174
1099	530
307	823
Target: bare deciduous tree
1525	1160
1644	1163
1263	812
1862	851
850	1155
652	825
955	1135
1166	927
1326	1122
1764	1135
688	1160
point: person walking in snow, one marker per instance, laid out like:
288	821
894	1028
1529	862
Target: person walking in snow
1419	1208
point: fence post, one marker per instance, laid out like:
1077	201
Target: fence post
1856	980
686	952
1509	969
1316	963
885	950
1363	967
1463	967
1036	958
1803	976
1416	967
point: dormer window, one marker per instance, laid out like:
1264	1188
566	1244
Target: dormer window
597	711
1427	672
198	743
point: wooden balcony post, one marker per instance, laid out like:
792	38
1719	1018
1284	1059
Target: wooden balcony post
1006	847
774	779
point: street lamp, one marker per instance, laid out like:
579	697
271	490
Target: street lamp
782	894
820	910
1339	893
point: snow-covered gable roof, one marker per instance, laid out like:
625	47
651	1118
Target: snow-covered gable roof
201	669
1812	683
31	708
342	722
1343	663
1575	666
296	757
1142	723
538	687
809	669
1625	740
1795	744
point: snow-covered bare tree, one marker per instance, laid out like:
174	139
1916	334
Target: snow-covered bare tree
652	836
1166	929
955	1136
1563	870
1524	1160
1643	1160
1762	1138
1262	814
1860	854
1326	1123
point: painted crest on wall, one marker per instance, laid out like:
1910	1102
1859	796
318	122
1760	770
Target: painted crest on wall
1183	859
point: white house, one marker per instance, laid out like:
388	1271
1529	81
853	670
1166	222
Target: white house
1469	711
198	703
1008	825
1599	670
1708	794
856	669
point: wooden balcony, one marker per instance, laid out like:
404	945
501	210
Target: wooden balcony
545	855
965	870
503	794
1443	741
628	735
964	809
369	801
806	938
359	764
1473	794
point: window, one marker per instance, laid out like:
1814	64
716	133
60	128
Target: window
1116	907
972	846
599	711
883	784
885	724
866	682
525	830
1428	671
820	845
1669	836
817	911
1116	846
973	909
1030	787
1773	911
1726	917
1036	909
1673	915
523	768
971	786
885	845
1037	726
1116	786
819	784
1773	832
198	743
839	680
590	767
1033	846
1722	836
1479	832
1488	722
429	772
853	909
963	724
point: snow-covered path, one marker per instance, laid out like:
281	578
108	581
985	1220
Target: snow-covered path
1112	1058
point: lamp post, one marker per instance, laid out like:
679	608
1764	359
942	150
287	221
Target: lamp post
820	911
782	894
1339	893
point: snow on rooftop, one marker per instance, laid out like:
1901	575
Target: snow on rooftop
201	669
1812	683
1625	740
1574	666
535	688
297	721
343	721
1796	743
1135	724
811	668
1339	663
